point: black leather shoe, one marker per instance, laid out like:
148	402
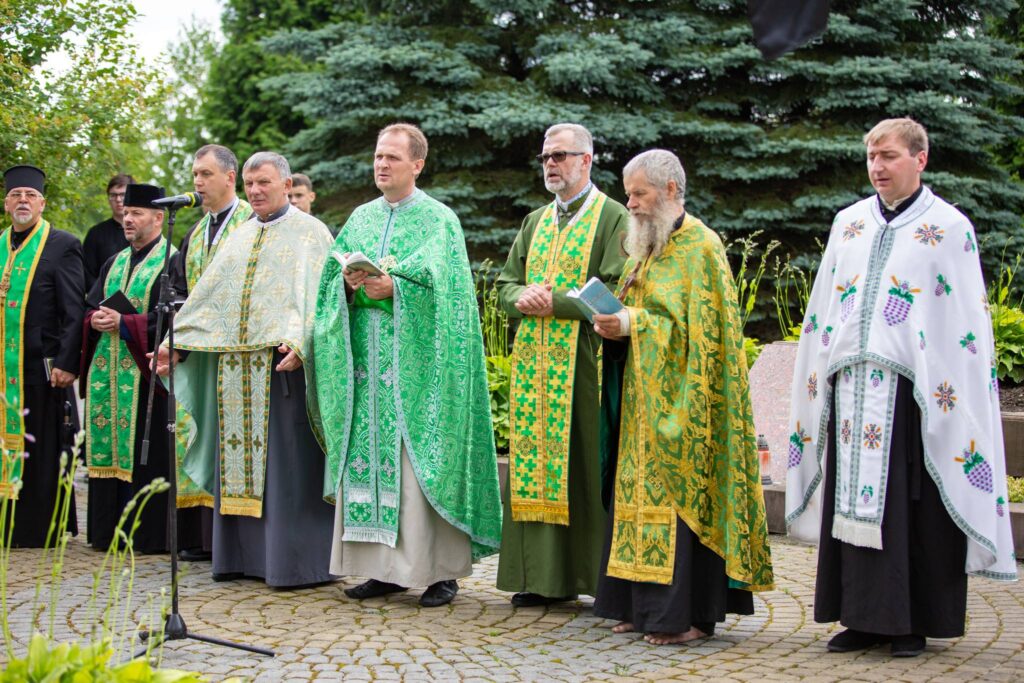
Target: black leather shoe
373	589
537	600
851	641
440	593
227	576
195	555
907	646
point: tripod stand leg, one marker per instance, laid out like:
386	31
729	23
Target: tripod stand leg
175	629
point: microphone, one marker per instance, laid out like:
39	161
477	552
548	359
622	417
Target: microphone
181	201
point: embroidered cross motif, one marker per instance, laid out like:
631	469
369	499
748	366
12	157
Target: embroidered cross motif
232	362
234	441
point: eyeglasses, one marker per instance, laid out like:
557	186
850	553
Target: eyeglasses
559	156
29	195
116	196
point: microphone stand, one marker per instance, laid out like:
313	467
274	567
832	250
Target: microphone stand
174	626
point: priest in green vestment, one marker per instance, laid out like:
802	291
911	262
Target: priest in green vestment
402	390
554	517
116	389
687	539
41	308
244	337
214	173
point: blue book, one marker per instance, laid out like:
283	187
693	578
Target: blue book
595	297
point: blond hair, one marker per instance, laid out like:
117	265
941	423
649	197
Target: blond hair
417	140
906	130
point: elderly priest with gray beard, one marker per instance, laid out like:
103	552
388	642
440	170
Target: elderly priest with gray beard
247	329
686	540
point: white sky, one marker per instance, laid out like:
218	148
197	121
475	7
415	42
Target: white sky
159	21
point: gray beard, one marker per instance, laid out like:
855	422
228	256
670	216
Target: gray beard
648	235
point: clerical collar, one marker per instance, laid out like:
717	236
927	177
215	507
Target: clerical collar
17	238
405	201
568	206
223	214
678	223
275	216
890	211
138	254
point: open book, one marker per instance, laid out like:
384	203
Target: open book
595	297
359	261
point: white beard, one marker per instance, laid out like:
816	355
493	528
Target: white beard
648	234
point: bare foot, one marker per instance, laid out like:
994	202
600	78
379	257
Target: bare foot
622	627
674	638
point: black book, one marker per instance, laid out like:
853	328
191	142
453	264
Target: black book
119	302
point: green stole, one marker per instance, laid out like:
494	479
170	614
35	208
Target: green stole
544	369
113	391
199	255
19	267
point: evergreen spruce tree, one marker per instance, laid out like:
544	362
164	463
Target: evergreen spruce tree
767	145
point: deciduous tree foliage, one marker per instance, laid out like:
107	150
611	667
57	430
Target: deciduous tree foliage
767	145
71	99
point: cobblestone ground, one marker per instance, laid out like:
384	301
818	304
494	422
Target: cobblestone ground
321	635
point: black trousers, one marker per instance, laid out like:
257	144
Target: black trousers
916	584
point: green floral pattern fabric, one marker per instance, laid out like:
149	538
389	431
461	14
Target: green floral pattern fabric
415	376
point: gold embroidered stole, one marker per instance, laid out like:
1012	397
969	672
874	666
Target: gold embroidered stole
113	389
243	406
19	269
197	258
544	369
644	532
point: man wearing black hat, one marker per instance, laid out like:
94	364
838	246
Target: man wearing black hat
40	334
115	344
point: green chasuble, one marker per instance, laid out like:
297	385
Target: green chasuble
554	559
406	370
250	299
19	268
200	253
687	447
113	386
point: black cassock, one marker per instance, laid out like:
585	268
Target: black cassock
52	329
101	242
108	496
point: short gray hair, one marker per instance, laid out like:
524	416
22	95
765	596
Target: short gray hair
226	159
273	158
580	135
659	166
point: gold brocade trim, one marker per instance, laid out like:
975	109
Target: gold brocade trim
114	385
8	490
96	472
15	441
246	507
195	500
639	519
544	370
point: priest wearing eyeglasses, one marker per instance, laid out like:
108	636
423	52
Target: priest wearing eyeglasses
41	308
554	517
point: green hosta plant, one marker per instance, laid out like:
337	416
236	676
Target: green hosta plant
499	381
46	661
494	322
1007	322
1016	489
1008	329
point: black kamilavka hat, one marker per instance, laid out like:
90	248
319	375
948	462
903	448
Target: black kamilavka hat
141	195
24	176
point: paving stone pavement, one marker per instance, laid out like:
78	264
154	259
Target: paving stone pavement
320	635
